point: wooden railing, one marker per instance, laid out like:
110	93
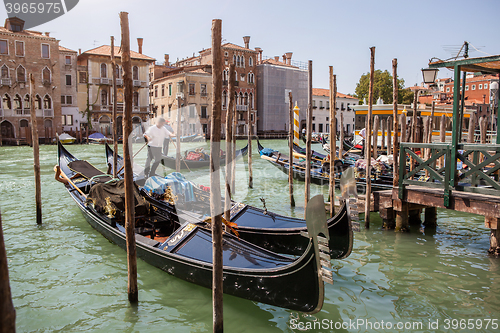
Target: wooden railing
478	168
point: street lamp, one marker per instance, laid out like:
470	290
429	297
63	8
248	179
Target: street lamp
430	75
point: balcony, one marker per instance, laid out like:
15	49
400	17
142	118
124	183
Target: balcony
19	112
119	82
27	111
48	112
138	83
6	82
105	80
241	107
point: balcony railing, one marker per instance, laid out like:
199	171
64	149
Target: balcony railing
119	82
241	107
48	113
6	82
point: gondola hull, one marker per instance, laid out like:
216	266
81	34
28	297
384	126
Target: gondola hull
249	272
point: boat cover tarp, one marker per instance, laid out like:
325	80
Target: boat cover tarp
97	136
89	171
66	136
115	191
177	183
267	151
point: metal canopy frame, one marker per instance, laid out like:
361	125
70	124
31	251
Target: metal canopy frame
490	65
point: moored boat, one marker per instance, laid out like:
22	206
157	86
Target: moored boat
185	251
202	162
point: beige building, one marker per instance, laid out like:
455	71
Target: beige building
95	92
71	118
25	52
192	87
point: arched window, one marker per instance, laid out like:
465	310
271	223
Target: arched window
104	97
234	59
224	99
46	75
47	103
236	99
38	102
23	123
104	70
118	72
5	72
241	99
250	100
21	74
225	75
136	98
135	73
18	103
238	61
250	77
245	101
250	61
27	104
7	103
242	61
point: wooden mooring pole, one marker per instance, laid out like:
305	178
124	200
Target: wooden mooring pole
215	197
389	135
395	142
309	136
178	132
115	109
229	144
249	135
368	153
7	310
341	139
36	152
333	139
290	149
133	293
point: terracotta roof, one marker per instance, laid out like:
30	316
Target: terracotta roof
105	50
237	47
202	69
484	77
25	32
326	92
64	49
272	61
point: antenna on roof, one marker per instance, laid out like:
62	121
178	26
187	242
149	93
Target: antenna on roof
95	42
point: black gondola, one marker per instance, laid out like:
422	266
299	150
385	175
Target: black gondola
169	161
250	272
318	175
272	231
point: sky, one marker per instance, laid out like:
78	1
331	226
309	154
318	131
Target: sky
328	32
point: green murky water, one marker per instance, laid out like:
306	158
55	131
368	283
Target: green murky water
66	277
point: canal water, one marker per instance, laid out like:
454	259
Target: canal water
66	277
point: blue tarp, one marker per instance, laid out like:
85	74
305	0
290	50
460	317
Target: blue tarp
267	151
97	136
176	181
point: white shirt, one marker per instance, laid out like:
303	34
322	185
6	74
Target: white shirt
157	135
362	133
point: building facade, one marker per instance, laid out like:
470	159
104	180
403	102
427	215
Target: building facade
25	52
71	118
321	111
95	91
190	86
245	60
275	80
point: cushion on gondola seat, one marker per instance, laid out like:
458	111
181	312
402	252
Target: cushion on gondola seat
267	151
88	171
179	185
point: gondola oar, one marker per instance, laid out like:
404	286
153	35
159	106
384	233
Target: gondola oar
132	157
352	147
60	173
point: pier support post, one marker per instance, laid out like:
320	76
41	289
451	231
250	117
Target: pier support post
430	220
401	215
492	224
387	216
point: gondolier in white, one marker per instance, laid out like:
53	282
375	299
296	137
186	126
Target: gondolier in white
166	142
155	135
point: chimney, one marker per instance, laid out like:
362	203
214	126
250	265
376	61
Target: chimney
289	57
139	42
246	39
79	51
47	34
284	58
277	58
167	63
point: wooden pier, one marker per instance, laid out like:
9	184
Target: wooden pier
455	175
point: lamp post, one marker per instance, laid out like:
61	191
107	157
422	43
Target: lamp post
429	75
